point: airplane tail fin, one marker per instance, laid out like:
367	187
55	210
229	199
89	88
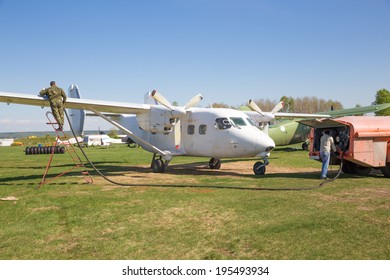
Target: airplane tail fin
76	117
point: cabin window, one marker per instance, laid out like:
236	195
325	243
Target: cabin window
238	121
191	129
222	123
202	129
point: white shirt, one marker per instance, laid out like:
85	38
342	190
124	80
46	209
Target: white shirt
327	143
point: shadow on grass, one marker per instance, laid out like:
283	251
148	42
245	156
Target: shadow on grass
112	171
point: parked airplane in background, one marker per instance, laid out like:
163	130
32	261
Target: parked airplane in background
99	140
166	130
286	131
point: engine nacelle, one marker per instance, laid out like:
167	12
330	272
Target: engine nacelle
157	120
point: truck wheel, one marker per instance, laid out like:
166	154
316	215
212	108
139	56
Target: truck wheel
348	167
386	170
360	170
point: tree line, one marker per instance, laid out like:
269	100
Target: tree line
311	104
292	105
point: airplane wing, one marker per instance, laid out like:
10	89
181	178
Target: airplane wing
74	103
266	117
301	115
357	110
336	113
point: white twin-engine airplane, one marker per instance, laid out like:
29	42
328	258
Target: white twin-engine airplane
166	130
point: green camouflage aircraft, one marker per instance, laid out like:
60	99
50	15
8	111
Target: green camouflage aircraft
287	131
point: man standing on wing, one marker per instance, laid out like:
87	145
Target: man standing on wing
57	98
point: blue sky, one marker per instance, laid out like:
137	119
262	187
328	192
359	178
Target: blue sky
230	51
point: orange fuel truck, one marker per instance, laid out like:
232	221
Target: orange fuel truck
362	141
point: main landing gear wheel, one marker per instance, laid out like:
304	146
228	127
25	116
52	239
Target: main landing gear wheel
259	168
158	166
215	163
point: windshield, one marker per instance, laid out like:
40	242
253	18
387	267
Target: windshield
238	121
250	121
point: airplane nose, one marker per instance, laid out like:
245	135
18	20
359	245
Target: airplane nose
264	145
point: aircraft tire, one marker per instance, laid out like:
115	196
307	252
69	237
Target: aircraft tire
386	170
158	166
259	168
305	146
215	163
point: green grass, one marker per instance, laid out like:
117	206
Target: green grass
69	219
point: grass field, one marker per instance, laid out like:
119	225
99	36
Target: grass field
69	219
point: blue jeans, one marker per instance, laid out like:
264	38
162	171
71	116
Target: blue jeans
325	156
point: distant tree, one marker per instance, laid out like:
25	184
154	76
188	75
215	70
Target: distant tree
265	105
382	96
288	103
220	105
332	105
314	105
175	103
113	133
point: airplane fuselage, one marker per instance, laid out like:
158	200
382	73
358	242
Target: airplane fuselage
209	132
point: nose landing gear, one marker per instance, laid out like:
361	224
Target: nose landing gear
259	166
215	163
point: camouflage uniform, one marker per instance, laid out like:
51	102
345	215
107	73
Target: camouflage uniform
57	98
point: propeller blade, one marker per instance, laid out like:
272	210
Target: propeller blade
277	108
254	107
194	101
161	99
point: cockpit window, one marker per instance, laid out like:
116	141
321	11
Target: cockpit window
250	121
222	123
238	121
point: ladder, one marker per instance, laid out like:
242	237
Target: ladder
70	150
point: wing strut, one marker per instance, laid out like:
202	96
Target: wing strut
166	154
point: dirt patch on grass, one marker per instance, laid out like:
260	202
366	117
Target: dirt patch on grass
47	208
363	199
188	174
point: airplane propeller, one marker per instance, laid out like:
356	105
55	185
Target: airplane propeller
163	101
254	107
266	116
278	107
194	101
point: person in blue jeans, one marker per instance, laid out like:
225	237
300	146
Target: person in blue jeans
327	145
